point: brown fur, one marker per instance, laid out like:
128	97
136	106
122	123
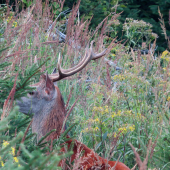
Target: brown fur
49	113
56	118
90	159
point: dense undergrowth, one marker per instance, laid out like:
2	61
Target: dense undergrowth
124	99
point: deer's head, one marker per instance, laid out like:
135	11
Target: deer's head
45	102
44	94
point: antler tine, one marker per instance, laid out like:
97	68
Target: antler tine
96	56
89	55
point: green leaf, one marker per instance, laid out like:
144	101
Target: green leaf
104	136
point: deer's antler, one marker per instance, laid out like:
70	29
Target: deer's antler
89	55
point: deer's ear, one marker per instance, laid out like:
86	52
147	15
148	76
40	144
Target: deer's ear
49	86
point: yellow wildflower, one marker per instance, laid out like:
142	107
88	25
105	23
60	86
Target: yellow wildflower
94	109
96	120
132	128
164	53
123	130
119	113
100	109
16	159
119	77
14	24
168	99
128	112
5	143
96	128
46	37
2	164
115	135
13	151
106	109
9	19
113	115
167	59
85	130
113	55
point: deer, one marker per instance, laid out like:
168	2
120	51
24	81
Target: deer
46	105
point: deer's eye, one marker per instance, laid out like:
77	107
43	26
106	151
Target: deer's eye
31	93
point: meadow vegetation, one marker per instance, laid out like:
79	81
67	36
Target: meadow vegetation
119	109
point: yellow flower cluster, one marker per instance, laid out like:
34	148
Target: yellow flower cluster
110	135
46	37
13	151
168	99
126	128
96	129
164	68
6	143
93	120
85	130
139	115
132	128
119	77
90	129
9	19
106	109
162	83
129	112
123	130
113	55
166	55
96	120
102	110
16	160
116	114
2	164
14	24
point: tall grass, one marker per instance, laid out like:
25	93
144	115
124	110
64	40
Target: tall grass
114	107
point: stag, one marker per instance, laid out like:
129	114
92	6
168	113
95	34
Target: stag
48	109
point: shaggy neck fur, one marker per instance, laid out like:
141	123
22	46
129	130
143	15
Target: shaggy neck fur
49	118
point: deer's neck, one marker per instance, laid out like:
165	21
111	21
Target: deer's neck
50	118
